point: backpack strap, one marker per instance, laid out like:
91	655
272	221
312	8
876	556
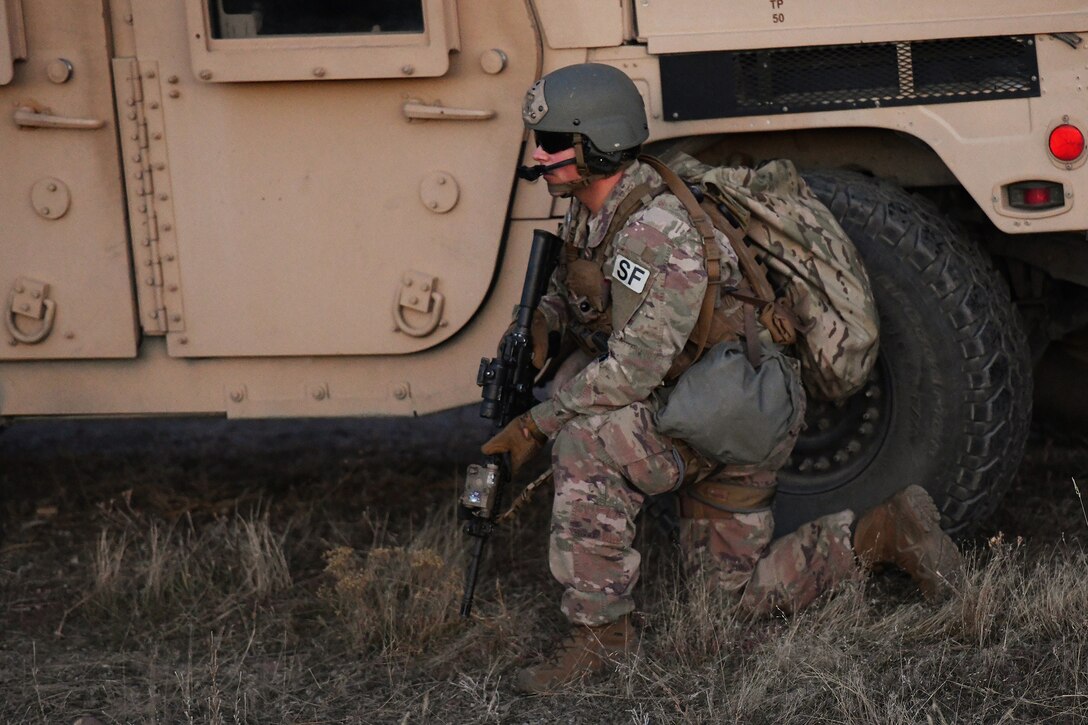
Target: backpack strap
773	313
712	253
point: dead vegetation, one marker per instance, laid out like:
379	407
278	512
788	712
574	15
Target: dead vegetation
199	587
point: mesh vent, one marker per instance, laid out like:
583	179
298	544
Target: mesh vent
837	77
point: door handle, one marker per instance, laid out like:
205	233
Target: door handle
29	118
415	109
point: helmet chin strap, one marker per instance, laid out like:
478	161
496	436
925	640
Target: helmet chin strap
567	188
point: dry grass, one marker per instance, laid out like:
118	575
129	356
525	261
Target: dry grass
226	601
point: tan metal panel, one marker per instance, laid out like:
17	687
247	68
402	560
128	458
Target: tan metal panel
435	379
300	207
581	23
686	26
61	199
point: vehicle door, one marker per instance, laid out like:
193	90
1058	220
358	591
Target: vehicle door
336	175
65	279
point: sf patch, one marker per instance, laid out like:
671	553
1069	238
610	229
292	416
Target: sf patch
630	274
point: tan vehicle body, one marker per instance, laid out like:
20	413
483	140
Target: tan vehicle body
197	218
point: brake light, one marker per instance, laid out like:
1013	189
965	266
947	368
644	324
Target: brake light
1035	195
1066	142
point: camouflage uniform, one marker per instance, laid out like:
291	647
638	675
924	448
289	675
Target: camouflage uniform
607	454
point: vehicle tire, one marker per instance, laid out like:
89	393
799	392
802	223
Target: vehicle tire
949	402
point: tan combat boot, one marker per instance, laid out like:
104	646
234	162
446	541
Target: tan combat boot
585	651
905	530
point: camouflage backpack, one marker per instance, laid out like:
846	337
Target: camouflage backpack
819	283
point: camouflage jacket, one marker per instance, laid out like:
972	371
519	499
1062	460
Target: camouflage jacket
643	289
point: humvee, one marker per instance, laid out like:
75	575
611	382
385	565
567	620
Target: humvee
271	208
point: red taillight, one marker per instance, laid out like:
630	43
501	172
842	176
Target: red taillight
1066	142
1035	195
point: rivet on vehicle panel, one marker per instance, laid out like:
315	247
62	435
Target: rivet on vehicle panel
135	137
167	227
150	281
401	392
176	318
175	93
154	314
173	288
146	242
160	166
135	157
169	257
151	74
1065	119
154	104
128	18
51	186
132	115
413	300
157	136
163	197
19	288
408	70
319	72
143	207
206	75
172	79
237	395
45	211
407	281
130	102
426	287
183	340
12	341
319	394
433	205
69	335
444	323
147	262
24	307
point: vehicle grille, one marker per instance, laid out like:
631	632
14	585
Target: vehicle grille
722	84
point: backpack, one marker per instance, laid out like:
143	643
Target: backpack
803	273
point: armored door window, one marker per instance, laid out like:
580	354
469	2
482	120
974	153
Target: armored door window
258	18
277	40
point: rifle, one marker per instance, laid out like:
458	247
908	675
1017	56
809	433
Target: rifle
507	392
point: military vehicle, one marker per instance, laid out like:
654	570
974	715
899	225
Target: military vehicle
269	208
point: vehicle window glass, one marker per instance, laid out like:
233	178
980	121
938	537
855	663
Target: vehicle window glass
257	18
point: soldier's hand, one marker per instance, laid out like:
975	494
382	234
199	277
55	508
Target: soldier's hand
539	334
520	438
540	340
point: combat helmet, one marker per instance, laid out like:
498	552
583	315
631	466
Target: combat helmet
599	106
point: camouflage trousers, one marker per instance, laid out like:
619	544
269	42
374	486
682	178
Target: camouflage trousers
735	551
605	465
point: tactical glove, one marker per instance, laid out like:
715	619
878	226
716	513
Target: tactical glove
520	438
541	338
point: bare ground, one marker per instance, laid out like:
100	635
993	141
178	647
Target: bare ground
309	571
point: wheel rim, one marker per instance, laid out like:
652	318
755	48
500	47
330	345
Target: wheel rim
840	439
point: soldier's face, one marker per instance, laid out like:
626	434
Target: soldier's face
561	175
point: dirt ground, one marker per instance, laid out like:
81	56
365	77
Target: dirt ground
86	629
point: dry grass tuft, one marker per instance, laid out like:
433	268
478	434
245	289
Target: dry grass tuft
396	598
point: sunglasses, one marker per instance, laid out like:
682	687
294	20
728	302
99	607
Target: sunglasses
554	141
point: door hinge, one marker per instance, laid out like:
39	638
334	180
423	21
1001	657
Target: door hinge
150	197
